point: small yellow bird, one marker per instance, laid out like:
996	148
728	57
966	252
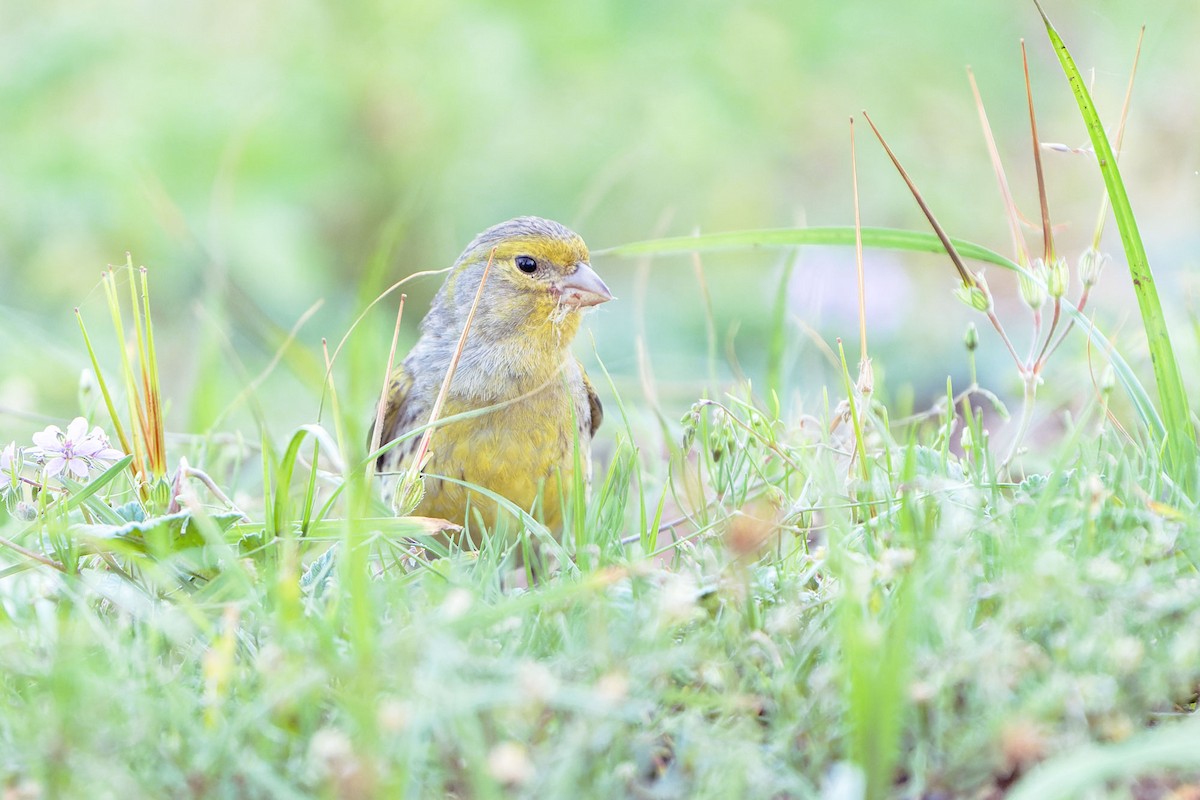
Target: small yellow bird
516	361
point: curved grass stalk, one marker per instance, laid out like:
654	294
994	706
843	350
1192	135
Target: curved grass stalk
1179	435
896	239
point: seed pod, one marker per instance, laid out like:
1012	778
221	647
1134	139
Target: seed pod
971	337
1108	379
1033	285
977	296
1091	264
408	495
1059	278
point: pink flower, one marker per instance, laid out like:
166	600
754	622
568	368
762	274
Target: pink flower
75	451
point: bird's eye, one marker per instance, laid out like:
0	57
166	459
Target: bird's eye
526	264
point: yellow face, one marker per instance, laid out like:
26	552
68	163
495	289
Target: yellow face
551	255
553	269
539	277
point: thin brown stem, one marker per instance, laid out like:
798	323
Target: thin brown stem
1012	351
967	278
188	471
1047	233
858	252
1010	206
939	408
772	446
251	387
30	554
475	412
362	315
332	387
377	429
1026	417
1102	217
710	327
423	447
1037	334
1083	298
1042	356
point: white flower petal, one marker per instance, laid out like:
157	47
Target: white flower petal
77	429
49	440
55	466
78	466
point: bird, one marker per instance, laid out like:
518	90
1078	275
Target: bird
532	399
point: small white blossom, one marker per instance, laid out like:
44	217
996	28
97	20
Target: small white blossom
75	451
10	467
8	455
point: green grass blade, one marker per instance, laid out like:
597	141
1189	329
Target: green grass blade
81	492
1169	747
1181	438
118	428
537	530
837	235
779	338
892	239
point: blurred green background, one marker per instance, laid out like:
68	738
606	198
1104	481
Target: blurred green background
258	156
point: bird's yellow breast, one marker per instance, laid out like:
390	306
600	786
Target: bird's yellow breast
523	451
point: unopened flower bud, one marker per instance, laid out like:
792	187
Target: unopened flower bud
1058	277
1108	379
88	394
977	296
1033	285
1091	264
971	337
408	495
690	421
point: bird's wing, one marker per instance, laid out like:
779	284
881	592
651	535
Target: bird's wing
398	413
593	402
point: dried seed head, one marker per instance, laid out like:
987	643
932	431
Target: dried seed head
866	378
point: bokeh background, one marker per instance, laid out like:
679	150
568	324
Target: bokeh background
260	158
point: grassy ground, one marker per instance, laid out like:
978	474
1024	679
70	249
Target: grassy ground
757	602
802	584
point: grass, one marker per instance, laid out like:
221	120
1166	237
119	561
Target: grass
961	629
755	602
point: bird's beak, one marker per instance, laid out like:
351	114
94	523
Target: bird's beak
583	288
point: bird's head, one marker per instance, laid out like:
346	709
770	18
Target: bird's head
539	282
